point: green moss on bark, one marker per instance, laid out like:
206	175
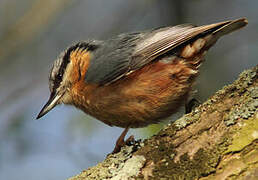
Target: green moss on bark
219	139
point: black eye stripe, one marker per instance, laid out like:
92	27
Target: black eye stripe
58	69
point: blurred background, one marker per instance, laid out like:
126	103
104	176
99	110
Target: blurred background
34	32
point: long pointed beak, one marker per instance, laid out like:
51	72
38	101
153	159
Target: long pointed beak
51	103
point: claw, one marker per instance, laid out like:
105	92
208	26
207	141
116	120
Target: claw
191	104
120	141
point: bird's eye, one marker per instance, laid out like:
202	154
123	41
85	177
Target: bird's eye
59	76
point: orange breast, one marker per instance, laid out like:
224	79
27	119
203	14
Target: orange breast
144	97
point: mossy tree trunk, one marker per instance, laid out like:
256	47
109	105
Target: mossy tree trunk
218	140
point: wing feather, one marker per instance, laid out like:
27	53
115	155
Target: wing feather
126	53
164	40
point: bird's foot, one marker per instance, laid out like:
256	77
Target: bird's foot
121	143
191	104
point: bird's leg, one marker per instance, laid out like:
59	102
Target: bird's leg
120	141
191	104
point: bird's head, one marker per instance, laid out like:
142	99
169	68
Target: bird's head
67	69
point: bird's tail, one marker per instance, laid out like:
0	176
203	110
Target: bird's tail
230	26
206	37
223	28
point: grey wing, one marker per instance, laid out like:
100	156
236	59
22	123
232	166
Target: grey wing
166	39
130	52
111	60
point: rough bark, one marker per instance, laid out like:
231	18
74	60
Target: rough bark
218	140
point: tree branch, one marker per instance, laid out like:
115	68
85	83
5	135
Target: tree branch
218	140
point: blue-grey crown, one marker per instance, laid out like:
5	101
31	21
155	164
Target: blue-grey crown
60	64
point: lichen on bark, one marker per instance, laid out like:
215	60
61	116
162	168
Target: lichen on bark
217	140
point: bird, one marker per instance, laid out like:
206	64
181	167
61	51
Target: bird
132	80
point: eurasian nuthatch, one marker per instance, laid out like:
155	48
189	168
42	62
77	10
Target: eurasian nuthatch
136	79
